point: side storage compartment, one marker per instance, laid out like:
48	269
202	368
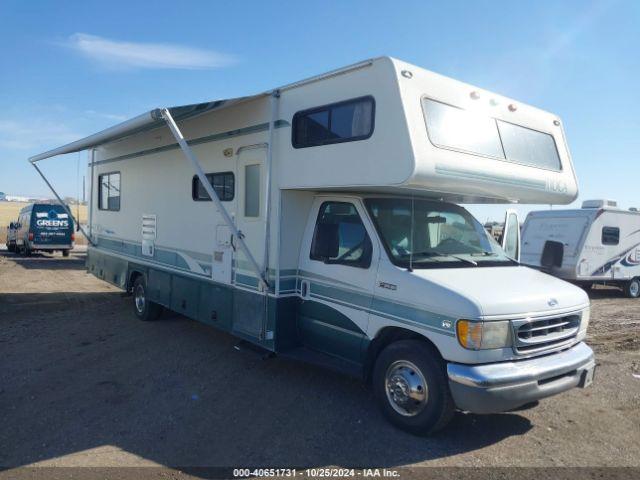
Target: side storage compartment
159	286
184	296
215	306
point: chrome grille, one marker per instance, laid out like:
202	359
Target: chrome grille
535	335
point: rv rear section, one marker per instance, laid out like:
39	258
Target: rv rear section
43	227
322	221
598	243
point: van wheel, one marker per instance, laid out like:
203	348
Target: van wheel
65	253
411	387
142	307
632	288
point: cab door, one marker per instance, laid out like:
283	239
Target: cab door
511	235
337	269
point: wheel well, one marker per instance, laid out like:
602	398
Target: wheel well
133	275
386	336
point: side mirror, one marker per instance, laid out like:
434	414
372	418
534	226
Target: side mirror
326	241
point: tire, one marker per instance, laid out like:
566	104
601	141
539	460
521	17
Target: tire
632	288
143	308
65	253
411	363
586	286
27	252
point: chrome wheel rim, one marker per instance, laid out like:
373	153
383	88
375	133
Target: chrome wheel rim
406	388
634	288
139	299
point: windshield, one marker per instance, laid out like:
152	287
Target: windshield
428	234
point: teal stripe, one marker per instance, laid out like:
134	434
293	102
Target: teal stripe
452	172
262	127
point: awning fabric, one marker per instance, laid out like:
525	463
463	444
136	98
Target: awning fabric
142	123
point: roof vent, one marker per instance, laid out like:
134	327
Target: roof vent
599	204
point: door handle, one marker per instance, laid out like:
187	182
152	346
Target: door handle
305	289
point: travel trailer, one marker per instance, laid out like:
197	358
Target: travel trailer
598	243
44	227
321	221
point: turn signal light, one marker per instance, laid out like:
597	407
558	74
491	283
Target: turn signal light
30	236
480	335
73	237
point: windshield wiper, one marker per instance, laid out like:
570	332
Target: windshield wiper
438	254
484	254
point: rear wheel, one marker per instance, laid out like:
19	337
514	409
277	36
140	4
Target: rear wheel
65	253
632	288
142	306
411	387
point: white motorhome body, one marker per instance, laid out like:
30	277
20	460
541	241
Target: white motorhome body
598	243
305	249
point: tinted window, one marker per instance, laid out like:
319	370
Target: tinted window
523	145
354	245
452	127
339	122
223	184
109	191
252	191
610	235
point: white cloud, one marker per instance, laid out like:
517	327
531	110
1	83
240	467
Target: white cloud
16	135
119	54
105	115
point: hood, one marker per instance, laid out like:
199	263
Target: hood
508	291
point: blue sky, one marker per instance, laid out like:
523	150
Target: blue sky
71	69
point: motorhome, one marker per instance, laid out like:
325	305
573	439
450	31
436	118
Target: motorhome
322	221
44	227
596	244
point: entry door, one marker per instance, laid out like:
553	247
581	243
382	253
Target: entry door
338	265
511	235
249	311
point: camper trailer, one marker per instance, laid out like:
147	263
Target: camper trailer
598	243
322	221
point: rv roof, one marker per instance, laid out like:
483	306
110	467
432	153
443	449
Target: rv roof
152	119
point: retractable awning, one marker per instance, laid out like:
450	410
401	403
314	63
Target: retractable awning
142	123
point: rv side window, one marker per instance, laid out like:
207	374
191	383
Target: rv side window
339	122
252	190
610	235
457	129
223	184
109	191
340	236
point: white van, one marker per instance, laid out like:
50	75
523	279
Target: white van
596	244
321	221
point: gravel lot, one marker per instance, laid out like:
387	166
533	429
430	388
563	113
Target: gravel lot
83	383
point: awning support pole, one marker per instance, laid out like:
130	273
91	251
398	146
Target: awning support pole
66	208
166	115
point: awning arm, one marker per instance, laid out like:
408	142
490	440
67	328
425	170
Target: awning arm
166	115
64	205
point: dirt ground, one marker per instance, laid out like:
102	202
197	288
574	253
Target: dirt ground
83	383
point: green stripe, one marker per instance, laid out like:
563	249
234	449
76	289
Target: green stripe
452	172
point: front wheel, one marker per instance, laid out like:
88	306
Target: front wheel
411	387
144	308
632	288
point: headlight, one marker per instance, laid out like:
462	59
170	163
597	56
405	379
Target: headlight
483	335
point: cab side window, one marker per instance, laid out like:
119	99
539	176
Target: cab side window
340	237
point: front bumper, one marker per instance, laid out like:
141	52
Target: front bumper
503	386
